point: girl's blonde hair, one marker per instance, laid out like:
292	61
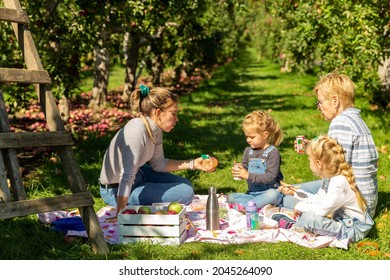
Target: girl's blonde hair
143	103
332	156
337	84
259	121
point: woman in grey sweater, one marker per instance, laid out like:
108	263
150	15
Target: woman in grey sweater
135	170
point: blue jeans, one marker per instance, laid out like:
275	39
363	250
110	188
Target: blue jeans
310	187
150	187
270	196
341	228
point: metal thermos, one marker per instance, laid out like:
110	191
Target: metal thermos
212	210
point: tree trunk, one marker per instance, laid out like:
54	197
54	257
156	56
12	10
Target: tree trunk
132	44
63	108
101	76
157	68
384	74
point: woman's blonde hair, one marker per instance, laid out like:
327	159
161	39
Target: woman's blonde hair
337	84
332	156
259	121
144	100
156	98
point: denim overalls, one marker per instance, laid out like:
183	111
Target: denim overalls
260	194
258	166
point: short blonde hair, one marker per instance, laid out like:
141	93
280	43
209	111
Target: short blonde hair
259	122
337	84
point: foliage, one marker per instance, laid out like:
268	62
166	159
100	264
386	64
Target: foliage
350	36
210	120
183	35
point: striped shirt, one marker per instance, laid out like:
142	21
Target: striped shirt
352	133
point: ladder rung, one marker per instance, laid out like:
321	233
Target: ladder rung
40	205
13	15
24	76
35	139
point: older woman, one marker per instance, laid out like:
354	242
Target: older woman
335	99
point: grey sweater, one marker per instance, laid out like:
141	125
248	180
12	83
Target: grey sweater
131	148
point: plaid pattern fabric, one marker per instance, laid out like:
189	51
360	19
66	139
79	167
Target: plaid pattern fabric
352	133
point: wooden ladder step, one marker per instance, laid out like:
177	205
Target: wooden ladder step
24	76
35	139
12	15
28	207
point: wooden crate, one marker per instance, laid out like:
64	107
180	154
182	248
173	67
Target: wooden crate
165	229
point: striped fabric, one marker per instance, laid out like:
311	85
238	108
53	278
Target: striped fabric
352	133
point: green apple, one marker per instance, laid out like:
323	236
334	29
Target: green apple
175	206
144	210
160	212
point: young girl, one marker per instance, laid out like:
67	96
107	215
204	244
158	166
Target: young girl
135	170
337	209
260	162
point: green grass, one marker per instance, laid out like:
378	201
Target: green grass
117	74
210	122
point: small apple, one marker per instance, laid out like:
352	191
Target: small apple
160	212
129	211
144	210
172	212
175	206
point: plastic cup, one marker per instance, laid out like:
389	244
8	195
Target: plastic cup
236	167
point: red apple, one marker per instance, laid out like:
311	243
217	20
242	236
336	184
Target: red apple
129	211
172	212
161	212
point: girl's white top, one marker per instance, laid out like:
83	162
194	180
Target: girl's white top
339	196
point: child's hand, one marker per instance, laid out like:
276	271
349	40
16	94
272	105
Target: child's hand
287	189
297	213
239	171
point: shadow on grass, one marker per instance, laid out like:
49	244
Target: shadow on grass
17	235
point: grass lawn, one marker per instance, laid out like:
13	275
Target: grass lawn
210	122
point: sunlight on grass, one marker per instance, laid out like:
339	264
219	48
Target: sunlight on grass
117	78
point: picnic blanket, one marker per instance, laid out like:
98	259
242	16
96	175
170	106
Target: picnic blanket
232	227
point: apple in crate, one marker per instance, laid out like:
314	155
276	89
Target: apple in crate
129	211
144	210
161	212
174	208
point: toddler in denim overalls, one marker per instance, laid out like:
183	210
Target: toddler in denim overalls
261	161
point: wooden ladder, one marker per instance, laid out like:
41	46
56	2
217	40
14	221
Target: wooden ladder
13	200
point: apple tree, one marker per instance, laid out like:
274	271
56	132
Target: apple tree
349	36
